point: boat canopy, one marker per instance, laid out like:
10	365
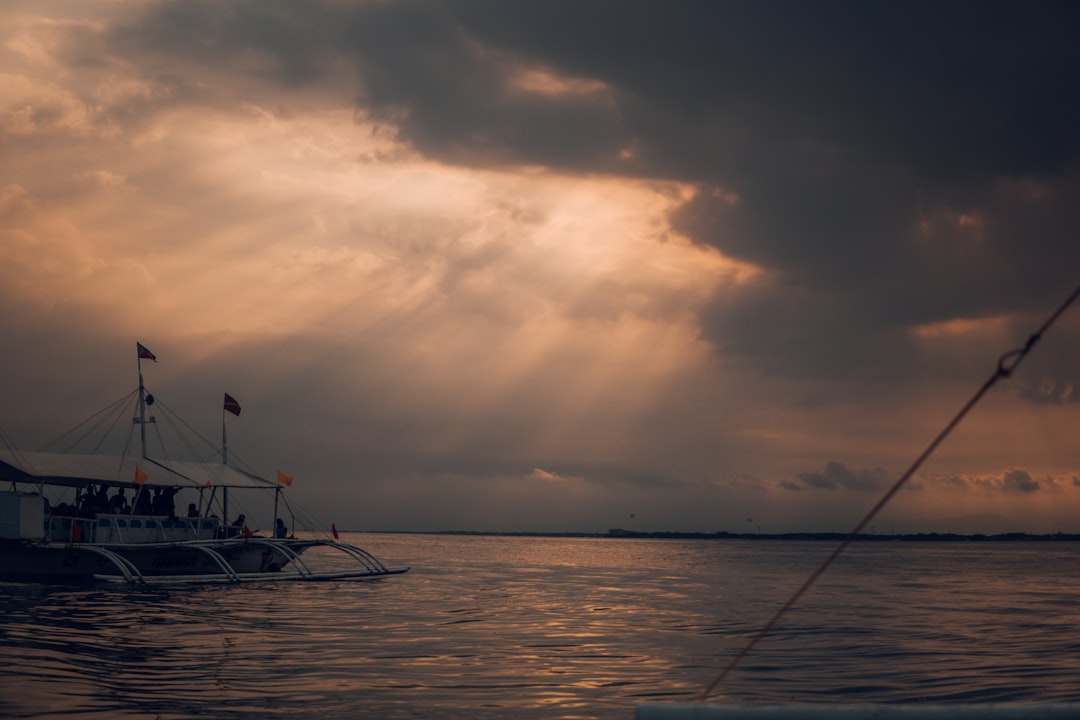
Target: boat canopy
77	470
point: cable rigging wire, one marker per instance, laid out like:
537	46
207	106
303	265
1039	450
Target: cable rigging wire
93	421
1007	364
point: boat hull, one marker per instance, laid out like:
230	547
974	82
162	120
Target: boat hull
237	560
34	560
194	560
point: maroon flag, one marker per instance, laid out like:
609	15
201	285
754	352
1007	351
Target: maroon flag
144	354
231	405
333	529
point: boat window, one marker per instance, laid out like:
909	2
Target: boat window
121	523
208	524
104	522
136	523
151	523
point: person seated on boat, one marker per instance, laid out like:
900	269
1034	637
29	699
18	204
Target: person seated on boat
142	502
156	506
237	527
192	511
101	499
87	500
168	501
118	504
91	502
280	531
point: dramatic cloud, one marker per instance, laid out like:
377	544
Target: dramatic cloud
1020	481
546	265
838	476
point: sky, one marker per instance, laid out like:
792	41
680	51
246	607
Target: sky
559	266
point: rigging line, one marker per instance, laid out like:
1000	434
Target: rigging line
292	513
175	418
1007	363
124	454
161	442
108	431
93	418
175	421
310	522
18	456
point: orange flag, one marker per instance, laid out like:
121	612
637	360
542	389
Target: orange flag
206	484
140	476
283	478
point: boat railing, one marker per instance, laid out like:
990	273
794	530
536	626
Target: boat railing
69	528
129	529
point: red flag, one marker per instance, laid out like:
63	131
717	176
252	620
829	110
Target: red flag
333	529
247	531
144	354
76	533
231	404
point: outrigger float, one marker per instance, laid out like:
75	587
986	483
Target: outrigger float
99	537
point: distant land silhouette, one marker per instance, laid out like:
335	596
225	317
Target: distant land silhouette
723	535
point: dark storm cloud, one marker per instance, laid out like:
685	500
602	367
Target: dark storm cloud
712	91
1019	481
838	476
890	164
415	65
1010	480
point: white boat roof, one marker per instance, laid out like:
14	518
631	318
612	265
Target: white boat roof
78	470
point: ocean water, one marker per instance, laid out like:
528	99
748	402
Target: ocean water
517	627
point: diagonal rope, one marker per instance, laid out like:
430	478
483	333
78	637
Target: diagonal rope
94	422
1006	365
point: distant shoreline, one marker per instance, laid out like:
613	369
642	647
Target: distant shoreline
621	534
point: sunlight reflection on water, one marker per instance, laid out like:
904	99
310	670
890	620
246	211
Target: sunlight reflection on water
556	628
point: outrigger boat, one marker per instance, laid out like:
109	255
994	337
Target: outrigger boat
101	538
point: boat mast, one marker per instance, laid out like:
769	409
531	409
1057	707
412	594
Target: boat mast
144	399
142	412
224	461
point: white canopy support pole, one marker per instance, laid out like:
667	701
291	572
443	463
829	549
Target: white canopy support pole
277	494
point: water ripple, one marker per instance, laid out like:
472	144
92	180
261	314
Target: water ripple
555	628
